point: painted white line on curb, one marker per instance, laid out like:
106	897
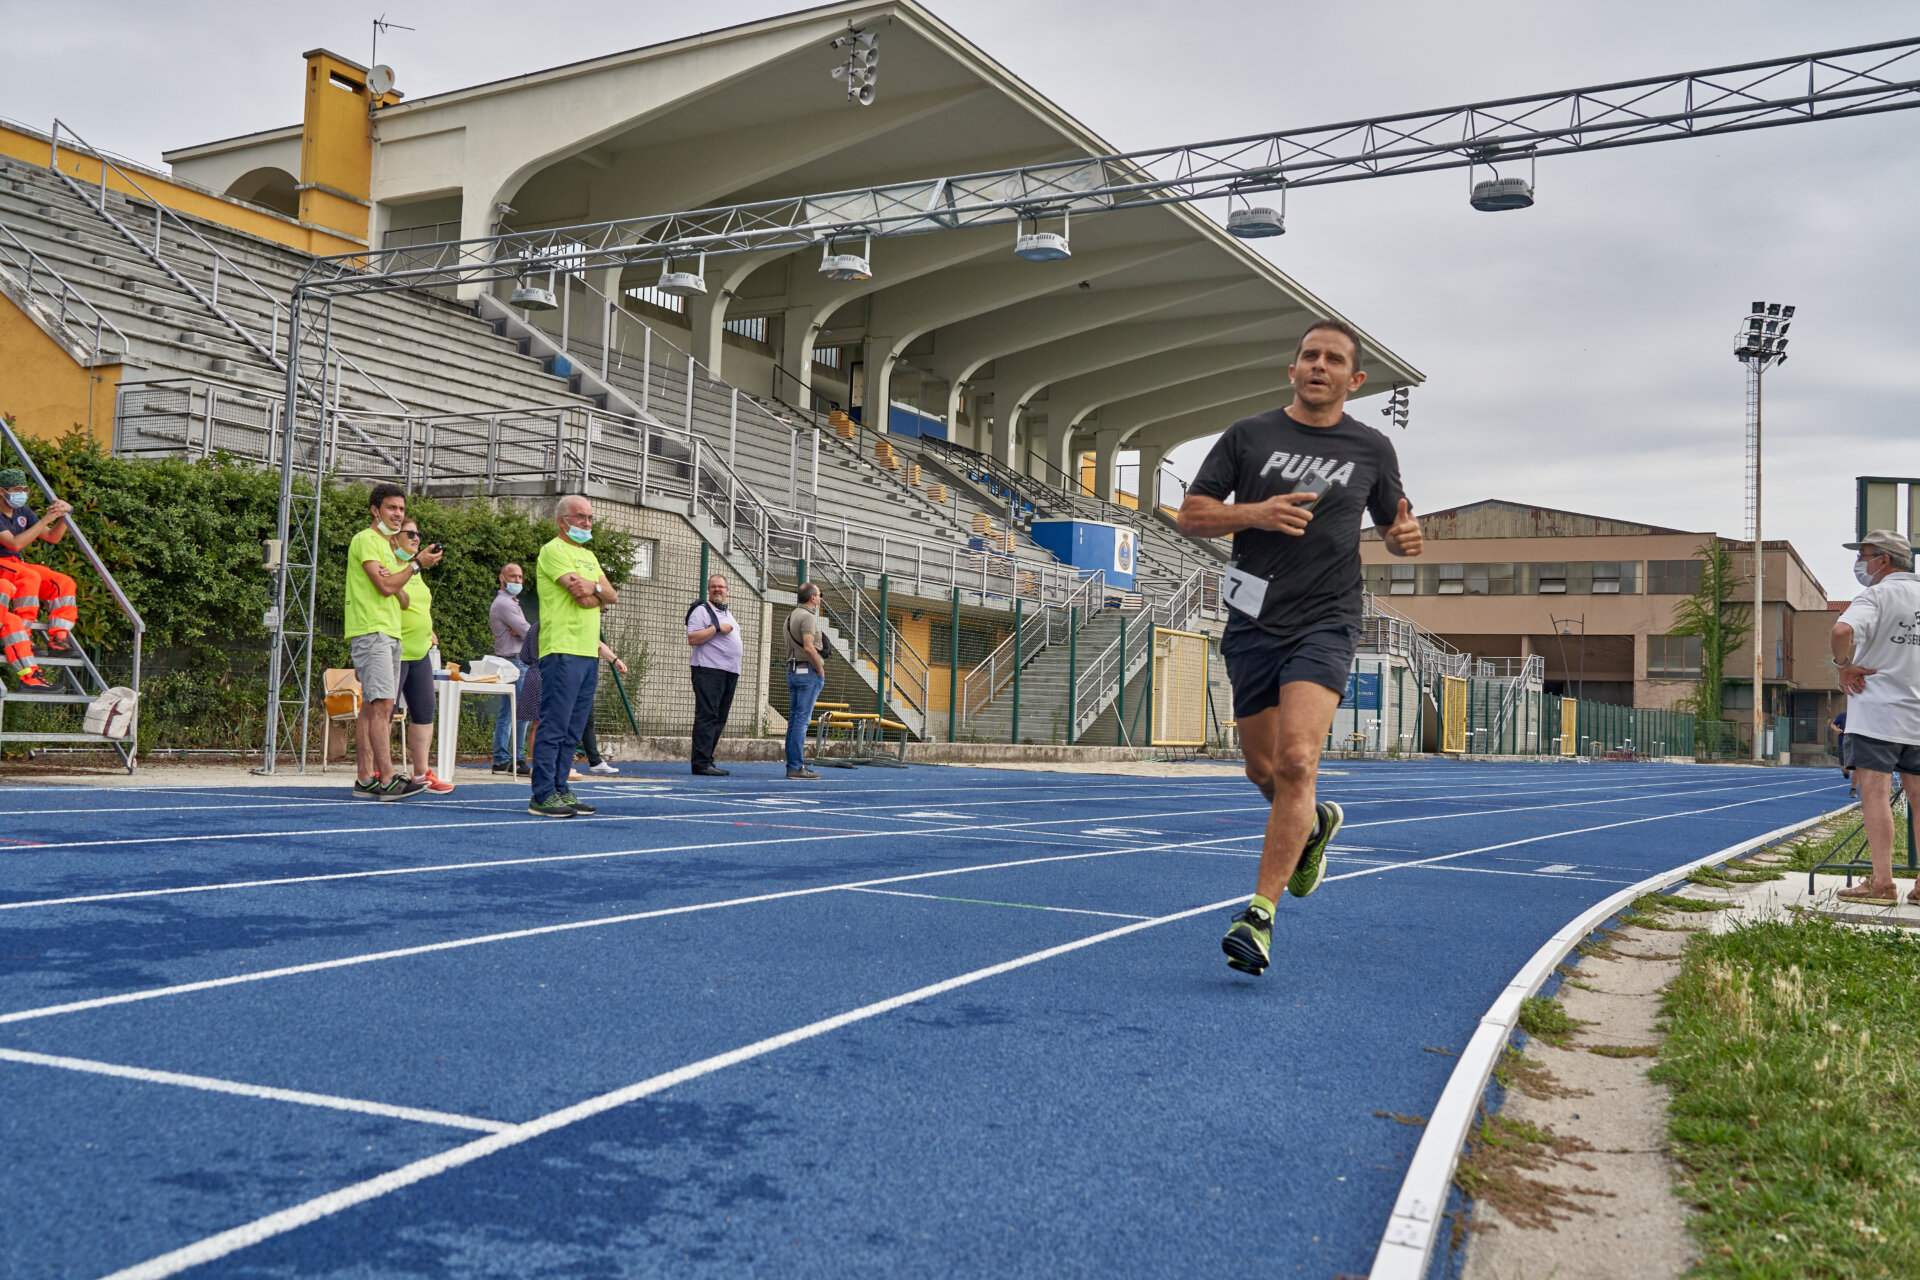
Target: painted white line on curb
212	1084
1407	1243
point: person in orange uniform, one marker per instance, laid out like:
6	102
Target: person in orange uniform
24	586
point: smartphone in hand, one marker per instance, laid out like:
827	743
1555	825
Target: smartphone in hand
1313	483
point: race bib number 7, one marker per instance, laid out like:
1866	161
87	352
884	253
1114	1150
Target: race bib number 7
1243	591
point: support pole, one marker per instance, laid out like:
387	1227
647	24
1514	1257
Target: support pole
1014	728
1153	638
1073	668
953	669
1759	578
1120	698
706	574
880	649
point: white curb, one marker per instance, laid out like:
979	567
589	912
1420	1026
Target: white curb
1407	1243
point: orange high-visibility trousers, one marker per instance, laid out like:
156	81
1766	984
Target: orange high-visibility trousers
34	586
18	642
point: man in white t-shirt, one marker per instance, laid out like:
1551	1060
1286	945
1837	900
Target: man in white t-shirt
1876	646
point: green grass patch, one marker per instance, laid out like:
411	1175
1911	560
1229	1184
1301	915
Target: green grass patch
1548	1021
1651	902
1500	1155
1791	1052
1625	1050
1823	841
1725	877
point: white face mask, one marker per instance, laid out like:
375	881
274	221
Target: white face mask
1863	574
381	525
513	588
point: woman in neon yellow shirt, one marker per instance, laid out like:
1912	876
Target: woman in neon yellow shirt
417	642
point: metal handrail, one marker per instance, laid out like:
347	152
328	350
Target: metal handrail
87	551
67	292
993	673
1095	687
211	300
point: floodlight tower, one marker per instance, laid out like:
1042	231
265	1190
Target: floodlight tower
1760	344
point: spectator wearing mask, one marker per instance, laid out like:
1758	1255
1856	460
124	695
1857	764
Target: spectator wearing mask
714	637
376	593
573	590
1876	646
507	617
419	646
25	587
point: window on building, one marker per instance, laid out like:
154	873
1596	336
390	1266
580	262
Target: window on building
827	357
1500	580
644	552
1375	577
1736	697
1402	580
654	298
1553	578
1674	577
1476	580
1579	577
1673	657
1606	577
752	328
1453	579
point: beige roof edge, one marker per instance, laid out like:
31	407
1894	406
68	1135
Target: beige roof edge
199	149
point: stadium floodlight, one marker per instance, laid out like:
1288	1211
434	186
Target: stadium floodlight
862	66
1759	343
847	266
1498	194
1256	222
684	284
1042	246
529	296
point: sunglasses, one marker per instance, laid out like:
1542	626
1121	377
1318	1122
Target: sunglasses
411	534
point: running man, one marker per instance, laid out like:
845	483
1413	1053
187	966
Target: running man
1300	478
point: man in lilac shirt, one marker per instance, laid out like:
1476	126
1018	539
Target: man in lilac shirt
715	640
509	625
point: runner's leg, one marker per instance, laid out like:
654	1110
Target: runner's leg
1291	768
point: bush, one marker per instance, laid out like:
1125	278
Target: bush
182	538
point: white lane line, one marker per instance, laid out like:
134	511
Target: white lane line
454	944
988	902
211	1084
1579	831
317	966
274	1224
959	832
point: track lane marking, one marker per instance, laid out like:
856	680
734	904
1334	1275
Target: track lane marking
211	1084
989	902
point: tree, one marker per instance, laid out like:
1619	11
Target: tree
1721	625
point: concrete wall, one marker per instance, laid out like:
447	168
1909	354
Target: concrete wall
42	387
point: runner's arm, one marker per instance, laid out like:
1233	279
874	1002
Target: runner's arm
1203	517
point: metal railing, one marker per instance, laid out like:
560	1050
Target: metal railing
1171	605
1046	625
40	280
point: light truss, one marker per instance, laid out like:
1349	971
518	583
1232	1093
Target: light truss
1839	84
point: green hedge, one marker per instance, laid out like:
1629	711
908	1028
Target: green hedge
183	537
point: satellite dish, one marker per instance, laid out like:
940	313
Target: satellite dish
380	81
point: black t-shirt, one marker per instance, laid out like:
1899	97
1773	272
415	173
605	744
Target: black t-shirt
17	520
1313	580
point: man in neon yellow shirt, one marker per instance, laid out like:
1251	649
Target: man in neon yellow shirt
572	590
376	593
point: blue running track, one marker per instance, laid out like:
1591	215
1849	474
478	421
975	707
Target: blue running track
933	1022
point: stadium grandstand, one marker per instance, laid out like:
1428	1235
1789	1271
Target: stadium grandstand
932	443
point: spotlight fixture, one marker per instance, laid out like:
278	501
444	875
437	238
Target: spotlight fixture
684	284
847	266
1257	222
532	297
862	66
1498	194
1041	246
1397	407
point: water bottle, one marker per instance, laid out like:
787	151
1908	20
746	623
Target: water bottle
433	659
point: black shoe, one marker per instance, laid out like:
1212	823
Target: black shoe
709	771
579	805
402	788
803	773
368	790
504	768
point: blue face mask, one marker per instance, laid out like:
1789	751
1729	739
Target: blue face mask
17	499
513	588
402	556
580	535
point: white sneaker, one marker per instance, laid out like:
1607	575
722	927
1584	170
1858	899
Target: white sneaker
574	775
602	767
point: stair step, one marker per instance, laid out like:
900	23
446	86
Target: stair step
47	697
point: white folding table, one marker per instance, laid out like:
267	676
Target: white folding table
447	712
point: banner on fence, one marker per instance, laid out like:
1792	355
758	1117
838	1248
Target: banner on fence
1569	727
1363	692
1453	715
1179	716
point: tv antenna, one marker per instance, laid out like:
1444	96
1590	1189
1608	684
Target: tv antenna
381	24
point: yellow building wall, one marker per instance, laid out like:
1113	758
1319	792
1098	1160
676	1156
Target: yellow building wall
43	389
34	149
336	145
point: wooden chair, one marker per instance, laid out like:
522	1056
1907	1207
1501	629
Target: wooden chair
341	696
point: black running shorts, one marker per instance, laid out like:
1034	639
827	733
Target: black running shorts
1877	755
1258	663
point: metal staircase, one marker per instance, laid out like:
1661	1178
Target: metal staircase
73	672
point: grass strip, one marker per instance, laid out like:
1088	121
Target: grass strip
1547	1020
1790	1052
1817	845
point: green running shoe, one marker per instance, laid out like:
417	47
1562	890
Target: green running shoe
1247	940
554	806
579	805
1312	868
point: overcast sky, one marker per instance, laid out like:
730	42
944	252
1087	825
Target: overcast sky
1578	354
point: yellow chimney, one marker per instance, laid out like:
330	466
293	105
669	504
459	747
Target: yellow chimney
336	145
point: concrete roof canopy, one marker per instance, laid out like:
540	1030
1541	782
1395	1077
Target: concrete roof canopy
1158	329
